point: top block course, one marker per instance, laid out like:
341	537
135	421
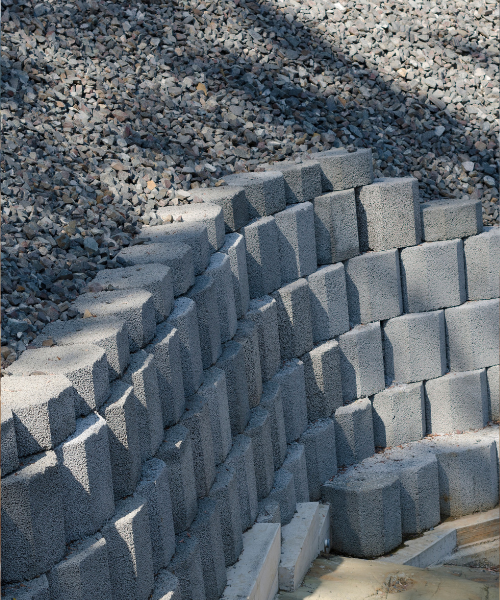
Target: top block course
450	219
265	192
231	199
342	170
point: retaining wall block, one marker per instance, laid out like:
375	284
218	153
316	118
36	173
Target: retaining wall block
323	380
481	264
231	199
450	219
342	170
36	589
187	567
493	395
235	248
328	295
10	458
321	456
219	269
261	241
232	362
283	492
247	335
295	463
354	432
269	511
293	396
167	587
272	402
263	312
241	459
259	431
302	180
265	191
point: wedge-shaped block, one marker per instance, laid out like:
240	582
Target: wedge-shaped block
481	264
241	459
247	335
295	463
204	294
232	201
323	380
321	456
327	290
451	219
204	213
283	492
219	270
293	396
264	314
10	458
493	395
265	191
167	587
259	431
187	567
342	170
354	432
272	402
232	362
235	248
36	589
261	241
302	180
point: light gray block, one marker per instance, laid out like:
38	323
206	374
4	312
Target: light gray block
187	567
472	332
232	201
450	219
321	457
128	543
415	347
342	170
295	463
85	366
219	269
272	402
263	268
259	431
241	459
296	242
323	380
167	587
36	589
294	319
265	191
10	459
33	538
204	294
247	335
361	362
327	290
493	395
388	214
336	226
373	287
184	319
43	407
232	362
283	493
293	396
235	248
174	254
264	313
302	180
399	415
481	264
354	432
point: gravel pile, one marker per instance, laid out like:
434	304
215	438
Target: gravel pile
114	109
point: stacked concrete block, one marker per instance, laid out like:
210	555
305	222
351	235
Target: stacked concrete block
232	362
373	287
259	431
354	432
187	567
10	458
204	294
232	201
399	415
342	170
321	456
361	362
167	587
241	459
302	180
451	219
493	395
283	492
323	380
269	511
415	347
235	248
330	316
247	335
263	267
272	402
33	538
264	314
36	589
295	463
481	264
293	396
389	214
219	270
336	227
265	192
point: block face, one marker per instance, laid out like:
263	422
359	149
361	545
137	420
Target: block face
283	492
263	312
247	335
10	458
259	431
354	439
235	248
320	453
272	402
433	276
293	395
167	587
493	395
36	589
302	180
373	287
295	463
450	219
232	201
265	192
232	362
342	170
219	269
261	240
241	460
186	566
481	264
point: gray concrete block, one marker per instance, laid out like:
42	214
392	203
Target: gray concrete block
296	242
336	227
450	219
167	587
373	287
36	589
321	456
187	567
361	362
232	362
272	402
85	366
295	463
472	333
457	401
184	318
481	264
293	395
265	191
302	180
493	395
176	452
177	256
261	241
208	214
399	415
10	458
415	347
241	459
204	294
219	270
327	290
235	248
269	511
247	335
354	432
283	492
232	201
342	170
323	380
389	214
259	431
33	538
264	314
294	319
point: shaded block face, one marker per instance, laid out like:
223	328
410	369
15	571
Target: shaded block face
295	463
232	362
481	264
186	566
247	335
302	180
354	432
265	192
272	402
235	248
259	431
283	493
323	380
321	457
10	459
342	170
451	219
264	314
232	201
241	459
293	395
261	240
493	395
219	270
167	587
36	589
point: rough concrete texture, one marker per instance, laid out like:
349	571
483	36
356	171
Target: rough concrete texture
235	248
388	214
272	402
493	395
361	362
33	538
263	266
336	227
373	285
451	219
472	332
232	362
265	191
457	401
43	407
186	566
399	415
433	276
219	269
36	589
178	256
293	396
167	587
259	431
283	492
321	455
302	180
247	335
481	264
85	366
269	511
323	380
10	458
328	294
295	463
296	242
354	432
241	459
264	314
342	170
294	319
415	347
232	201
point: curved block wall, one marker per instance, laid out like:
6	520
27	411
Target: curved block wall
253	354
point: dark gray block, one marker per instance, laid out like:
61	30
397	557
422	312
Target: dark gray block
321	457
493	395
450	219
241	459
263	268
232	362
283	492
219	269
235	248
10	459
323	380
231	199
293	395
354	432
269	511
264	313
36	589
259	431
295	463
187	567
342	170
481	264
167	587
272	402
265	191
247	335
302	180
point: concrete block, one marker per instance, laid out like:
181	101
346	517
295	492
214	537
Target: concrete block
264	314
354	432
259	431
208	214
187	567
342	170
493	395
36	589
295	463
263	268
247	335
232	201
321	456
10	459
265	191
128	543
167	587
327	290
293	396
388	214
302	180
85	366
219	269
269	511
373	287
450	219
472	333
283	492
235	248
323	380
177	256
232	362
241	459
457	401
204	294
176	452
43	408
481	264
336	227
294	319
296	242
184	318
33	538
361	362
272	402
399	415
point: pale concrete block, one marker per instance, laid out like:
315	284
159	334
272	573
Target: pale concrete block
261	241
272	402
167	587
481	264
493	395
219	269
235	248
295	463
241	459
342	170
321	456
232	201
283	492
232	362
247	335
10	459
323	380
293	395
302	180
328	294
264	314
259	431
450	219
208	214
187	567
36	589
354	432
265	191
